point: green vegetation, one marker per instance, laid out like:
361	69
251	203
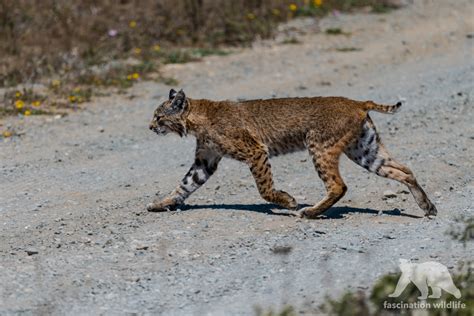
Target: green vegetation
285	311
463	230
348	49
291	40
336	31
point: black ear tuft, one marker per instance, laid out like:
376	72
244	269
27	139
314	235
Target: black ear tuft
179	100
172	94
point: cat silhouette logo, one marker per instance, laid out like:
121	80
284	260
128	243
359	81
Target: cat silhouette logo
423	275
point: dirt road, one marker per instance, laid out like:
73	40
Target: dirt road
75	237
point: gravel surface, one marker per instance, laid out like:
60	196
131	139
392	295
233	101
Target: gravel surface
75	236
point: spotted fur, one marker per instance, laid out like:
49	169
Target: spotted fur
253	131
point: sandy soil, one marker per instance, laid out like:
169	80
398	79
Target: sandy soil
75	236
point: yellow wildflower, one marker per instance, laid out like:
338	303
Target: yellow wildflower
55	83
72	98
137	51
276	12
36	103
318	3
132	24
77	89
7	134
293	7
156	48
18	94
129	77
250	16
19	104
27	113
135	76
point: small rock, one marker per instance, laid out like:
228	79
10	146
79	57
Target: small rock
388	194
132	279
101	129
31	251
403	191
281	250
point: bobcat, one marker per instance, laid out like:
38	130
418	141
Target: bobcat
255	130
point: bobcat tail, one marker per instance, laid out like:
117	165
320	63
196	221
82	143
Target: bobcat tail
371	106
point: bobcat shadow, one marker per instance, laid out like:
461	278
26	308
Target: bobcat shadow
335	212
340	211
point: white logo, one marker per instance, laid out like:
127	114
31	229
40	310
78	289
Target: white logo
423	275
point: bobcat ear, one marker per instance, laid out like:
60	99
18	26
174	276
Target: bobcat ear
172	94
179	101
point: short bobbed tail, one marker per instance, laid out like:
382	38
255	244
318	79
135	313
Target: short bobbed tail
390	109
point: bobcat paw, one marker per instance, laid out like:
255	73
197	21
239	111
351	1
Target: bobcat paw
431	211
307	212
160	207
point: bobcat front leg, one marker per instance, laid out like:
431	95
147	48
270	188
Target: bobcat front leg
205	164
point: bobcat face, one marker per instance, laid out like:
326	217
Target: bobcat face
168	116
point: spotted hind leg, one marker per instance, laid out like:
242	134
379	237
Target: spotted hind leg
368	151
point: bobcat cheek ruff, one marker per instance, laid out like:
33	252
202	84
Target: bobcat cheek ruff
253	131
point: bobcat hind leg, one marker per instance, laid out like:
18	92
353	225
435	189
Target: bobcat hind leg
369	152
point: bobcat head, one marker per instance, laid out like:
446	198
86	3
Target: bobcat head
168	117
